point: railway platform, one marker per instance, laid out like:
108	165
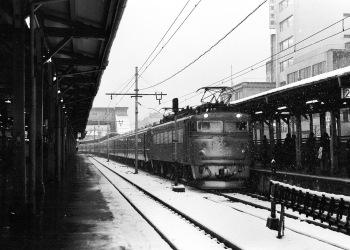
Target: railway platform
84	212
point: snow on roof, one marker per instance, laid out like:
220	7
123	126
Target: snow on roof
304	82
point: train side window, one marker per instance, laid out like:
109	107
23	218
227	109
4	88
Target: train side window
203	125
155	139
209	126
181	136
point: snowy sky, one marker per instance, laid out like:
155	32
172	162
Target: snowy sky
142	27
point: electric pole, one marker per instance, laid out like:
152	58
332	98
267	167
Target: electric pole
136	95
136	119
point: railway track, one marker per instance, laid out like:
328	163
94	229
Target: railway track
234	201
179	231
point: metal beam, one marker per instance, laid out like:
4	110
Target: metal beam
76	62
58	47
75	32
68	22
81	72
48	1
78	80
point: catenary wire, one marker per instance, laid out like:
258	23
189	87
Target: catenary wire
229	78
157	47
221	39
164	35
170	38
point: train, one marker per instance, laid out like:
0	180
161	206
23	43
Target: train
209	146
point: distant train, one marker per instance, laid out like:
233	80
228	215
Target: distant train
209	146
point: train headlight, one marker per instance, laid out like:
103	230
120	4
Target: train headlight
238	115
243	151
206	115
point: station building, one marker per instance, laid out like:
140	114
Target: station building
248	88
104	119
308	38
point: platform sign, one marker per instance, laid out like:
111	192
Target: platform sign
345	93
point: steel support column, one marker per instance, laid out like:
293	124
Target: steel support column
64	141
58	142
19	159
39	111
298	141
333	143
32	119
52	98
271	133
311	124
278	128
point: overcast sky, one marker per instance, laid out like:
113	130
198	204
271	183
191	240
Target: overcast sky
142	27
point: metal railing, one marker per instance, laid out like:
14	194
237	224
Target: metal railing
329	208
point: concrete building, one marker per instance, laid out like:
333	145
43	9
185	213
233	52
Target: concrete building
103	119
245	89
309	37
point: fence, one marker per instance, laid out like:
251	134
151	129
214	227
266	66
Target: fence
329	208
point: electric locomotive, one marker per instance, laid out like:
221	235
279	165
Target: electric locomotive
209	145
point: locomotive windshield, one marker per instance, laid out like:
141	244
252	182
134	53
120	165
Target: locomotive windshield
230	126
210	126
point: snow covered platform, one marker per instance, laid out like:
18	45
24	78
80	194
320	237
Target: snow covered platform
243	225
85	212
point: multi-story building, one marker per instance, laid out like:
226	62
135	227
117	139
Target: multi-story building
248	88
103	119
311	37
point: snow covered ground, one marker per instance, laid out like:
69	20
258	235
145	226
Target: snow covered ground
243	225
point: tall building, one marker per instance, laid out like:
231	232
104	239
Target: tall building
247	88
103	119
309	37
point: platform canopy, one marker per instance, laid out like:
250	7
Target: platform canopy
321	93
78	35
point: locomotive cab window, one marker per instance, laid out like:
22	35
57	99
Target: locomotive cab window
209	126
230	127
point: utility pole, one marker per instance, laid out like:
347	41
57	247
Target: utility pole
136	95
136	120
108	123
107	143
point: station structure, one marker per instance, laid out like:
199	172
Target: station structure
54	53
318	105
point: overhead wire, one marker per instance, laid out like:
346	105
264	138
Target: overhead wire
164	35
126	84
171	37
141	77
263	65
273	60
229	78
208	50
